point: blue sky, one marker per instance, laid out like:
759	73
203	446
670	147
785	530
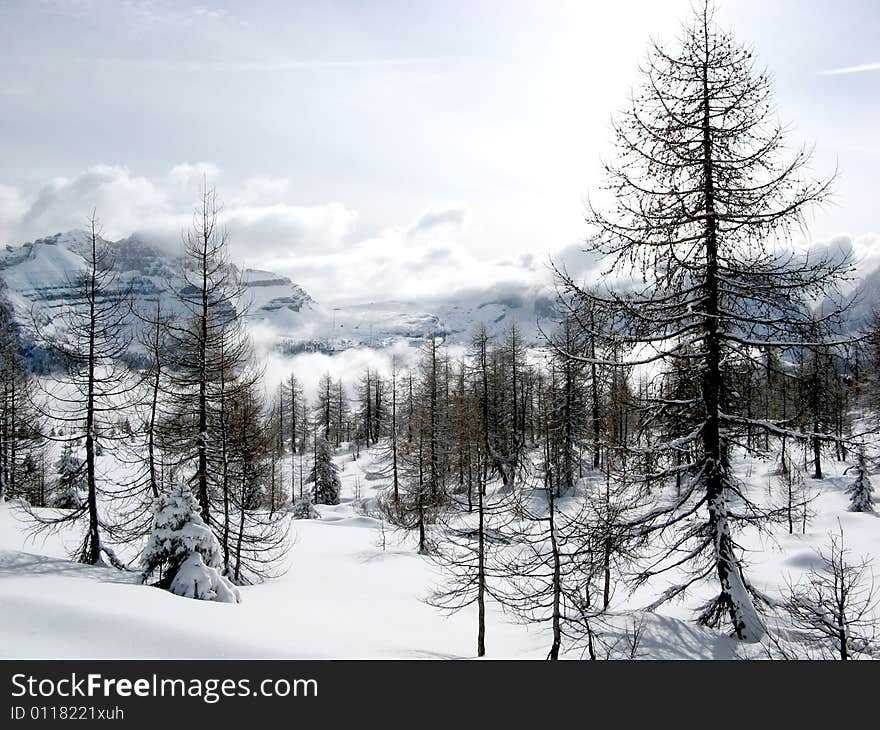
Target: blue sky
382	145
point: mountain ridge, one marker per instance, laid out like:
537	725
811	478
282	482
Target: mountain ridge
39	275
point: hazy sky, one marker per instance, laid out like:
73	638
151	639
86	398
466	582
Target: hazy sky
378	149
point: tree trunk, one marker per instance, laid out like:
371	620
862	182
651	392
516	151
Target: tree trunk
202	445
92	549
481	581
735	597
557	582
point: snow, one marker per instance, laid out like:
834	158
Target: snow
281	314
181	543
195	579
304	509
344	596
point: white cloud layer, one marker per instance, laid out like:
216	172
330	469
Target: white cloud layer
315	245
432	256
259	221
863	68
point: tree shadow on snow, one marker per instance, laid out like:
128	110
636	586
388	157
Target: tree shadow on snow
15	564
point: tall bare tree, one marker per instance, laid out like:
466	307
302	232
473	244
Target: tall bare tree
703	200
212	380
90	337
211	297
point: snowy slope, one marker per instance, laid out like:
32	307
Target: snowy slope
40	279
344	596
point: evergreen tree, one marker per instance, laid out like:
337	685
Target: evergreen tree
183	552
413	506
256	539
481	356
364	428
325	474
294	427
570	419
34	483
340	414
794	493
547	571
860	490
817	386
71	485
464	552
304	509
388	453
433	442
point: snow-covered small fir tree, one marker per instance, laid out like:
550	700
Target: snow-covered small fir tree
184	551
71	485
303	509
860	490
325	474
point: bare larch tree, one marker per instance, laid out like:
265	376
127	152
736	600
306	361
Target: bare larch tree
704	207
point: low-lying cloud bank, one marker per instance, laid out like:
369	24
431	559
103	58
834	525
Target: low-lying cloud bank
317	246
437	255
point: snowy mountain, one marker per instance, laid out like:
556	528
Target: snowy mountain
865	301
379	324
39	275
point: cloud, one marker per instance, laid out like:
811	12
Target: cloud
121	200
347	365
577	262
433	256
864	251
450	217
255	66
315	245
390	266
190	66
15	90
139	12
12	208
189	175
865	67
258	231
260	222
262	189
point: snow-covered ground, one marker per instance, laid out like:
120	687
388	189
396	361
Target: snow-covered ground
344	596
